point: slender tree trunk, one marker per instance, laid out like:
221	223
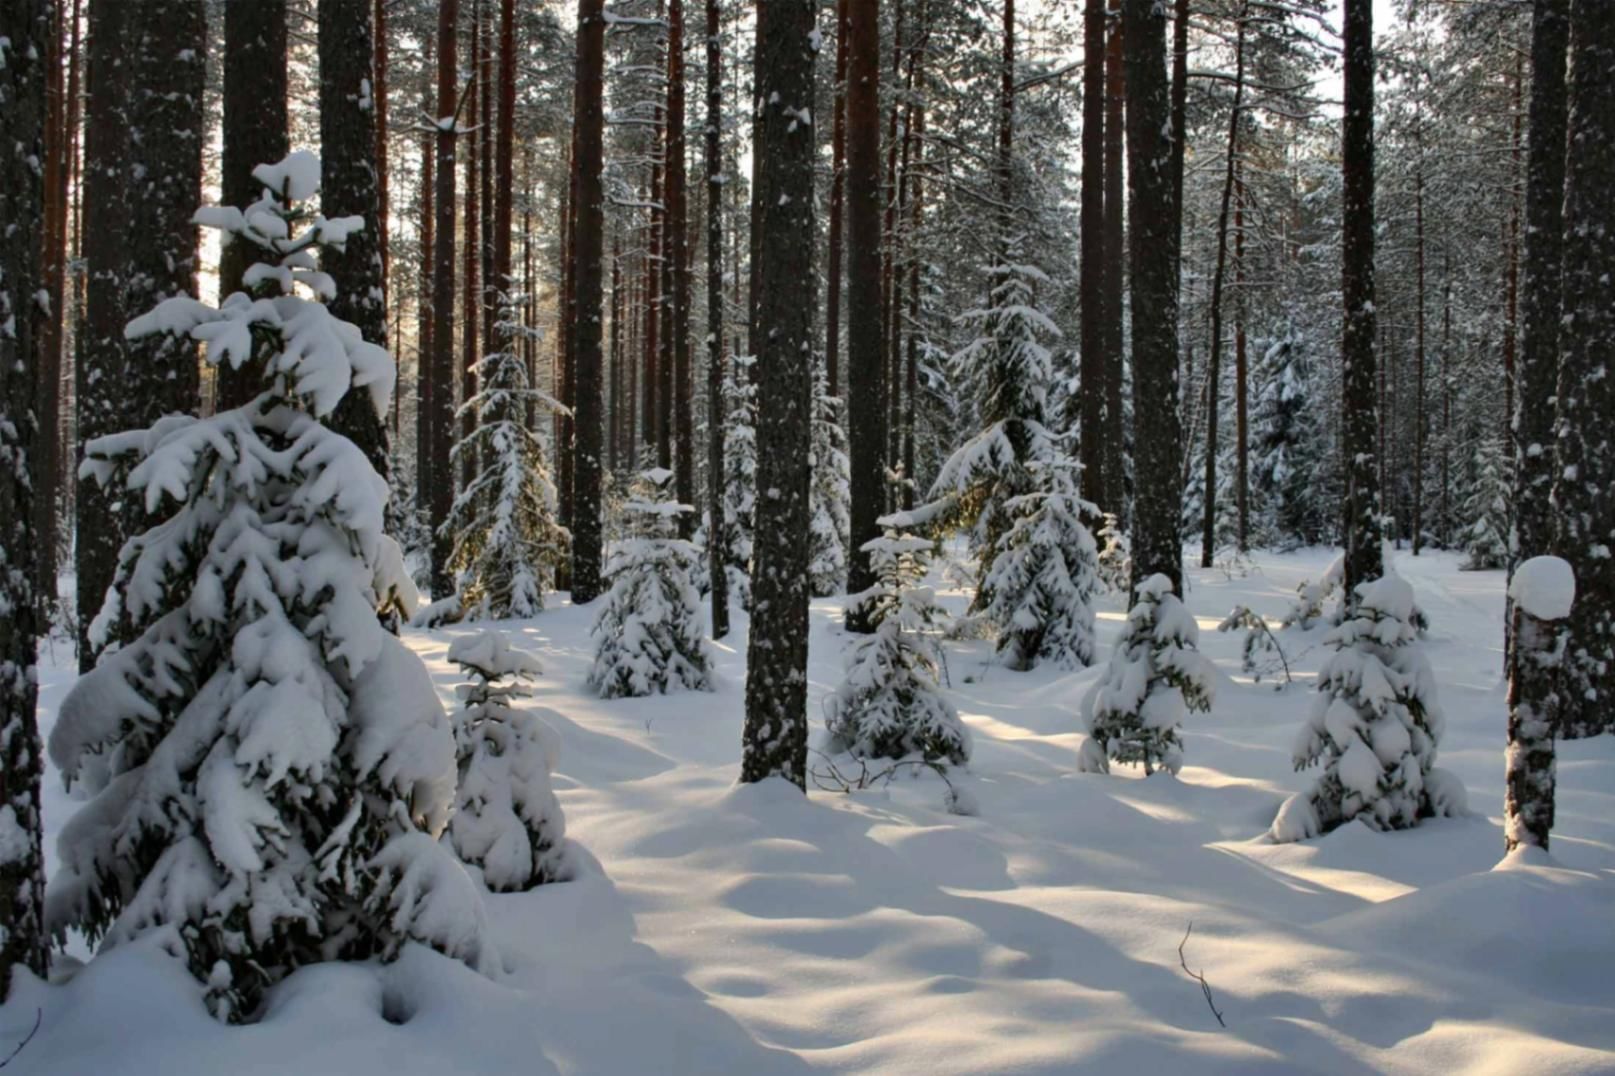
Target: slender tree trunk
26	25
838	185
1511	261
866	382
587	252
470	252
1157	546
653	295
383	188
350	187
890	303
566	340
255	132
488	296
1446	398
1180	110
424	318
441	394
1241	372
1420	420
44	459
1585	455
775	737
1095	370
1361	415
1115	255
1208	529
1535	662
1544	275
678	248
717	534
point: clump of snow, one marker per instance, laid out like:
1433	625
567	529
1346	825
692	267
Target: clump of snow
1544	587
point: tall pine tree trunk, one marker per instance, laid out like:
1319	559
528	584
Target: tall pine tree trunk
1363	560
1094	369
255	132
26	26
470	252
44	459
866	381
1208	525
441	393
1115	255
717	535
350	187
1544	269
1585	455
425	349
587	253
775	736
838	187
1152	207
678	250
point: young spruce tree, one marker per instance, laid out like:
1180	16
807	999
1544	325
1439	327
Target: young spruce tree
268	769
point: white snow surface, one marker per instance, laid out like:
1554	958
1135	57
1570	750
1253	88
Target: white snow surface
713	928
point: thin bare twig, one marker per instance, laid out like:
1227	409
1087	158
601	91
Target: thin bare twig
39	1014
1205	987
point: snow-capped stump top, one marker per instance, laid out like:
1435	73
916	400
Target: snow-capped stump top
1375	725
268	769
1155	677
1544	587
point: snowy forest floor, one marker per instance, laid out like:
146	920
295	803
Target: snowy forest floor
716	928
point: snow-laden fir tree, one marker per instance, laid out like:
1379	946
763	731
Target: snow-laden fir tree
889	704
1115	564
1285	447
1374	725
1014	469
649	636
507	542
1488	506
830	493
740	473
1155	677
507	820
268	770
1040	586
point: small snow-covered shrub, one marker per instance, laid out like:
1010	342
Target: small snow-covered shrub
506	817
1262	655
648	637
830	494
889	704
1040	587
1115	564
268	769
1154	678
506	541
1374	726
1310	598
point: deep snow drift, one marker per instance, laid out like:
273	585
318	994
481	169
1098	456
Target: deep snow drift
750	930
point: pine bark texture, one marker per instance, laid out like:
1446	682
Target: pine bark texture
717	536
255	132
775	736
588	240
1533	703
680	295
838	197
1584	492
349	187
1361	405
440	395
26	24
866	381
1157	545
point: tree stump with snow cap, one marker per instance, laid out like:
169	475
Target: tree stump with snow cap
1543	591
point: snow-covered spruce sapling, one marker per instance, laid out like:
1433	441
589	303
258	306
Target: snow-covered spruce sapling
889	704
1040	587
506	540
649	635
1115	565
830	493
1543	591
268	769
1155	676
1374	726
1488	506
507	820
